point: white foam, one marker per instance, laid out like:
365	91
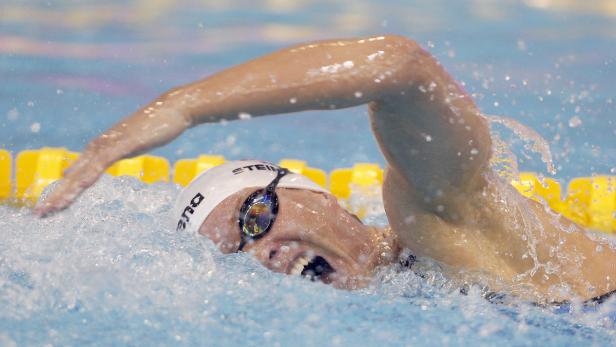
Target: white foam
112	270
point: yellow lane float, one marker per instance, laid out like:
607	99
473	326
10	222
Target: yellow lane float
36	169
148	168
186	169
6	166
590	201
361	176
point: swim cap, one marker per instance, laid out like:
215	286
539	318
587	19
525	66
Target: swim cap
211	187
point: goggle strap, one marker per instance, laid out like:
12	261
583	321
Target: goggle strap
272	186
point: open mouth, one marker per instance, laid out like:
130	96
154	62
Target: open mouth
315	268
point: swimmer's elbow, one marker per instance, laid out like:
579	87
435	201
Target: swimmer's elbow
408	59
403	43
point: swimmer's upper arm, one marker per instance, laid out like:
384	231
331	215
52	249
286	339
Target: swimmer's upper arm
431	132
427	127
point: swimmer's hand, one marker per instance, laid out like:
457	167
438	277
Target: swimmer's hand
145	129
82	174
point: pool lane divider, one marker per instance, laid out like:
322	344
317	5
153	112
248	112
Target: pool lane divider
6	167
590	201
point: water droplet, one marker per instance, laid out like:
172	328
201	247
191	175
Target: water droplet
30	104
35	127
409	219
348	64
521	45
293	100
358	94
575	122
244	116
59	91
13	114
474	151
496	104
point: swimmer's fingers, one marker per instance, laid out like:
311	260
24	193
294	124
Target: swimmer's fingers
82	174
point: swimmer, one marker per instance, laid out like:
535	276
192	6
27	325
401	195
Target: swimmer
442	198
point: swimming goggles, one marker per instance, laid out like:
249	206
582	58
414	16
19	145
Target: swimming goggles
258	213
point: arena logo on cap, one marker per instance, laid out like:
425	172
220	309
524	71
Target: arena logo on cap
189	210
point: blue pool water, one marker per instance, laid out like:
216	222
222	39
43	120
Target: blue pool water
111	271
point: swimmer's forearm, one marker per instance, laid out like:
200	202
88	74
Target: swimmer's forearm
143	130
322	75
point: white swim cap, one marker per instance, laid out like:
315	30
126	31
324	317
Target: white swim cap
211	187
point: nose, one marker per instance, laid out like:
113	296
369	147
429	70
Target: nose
262	249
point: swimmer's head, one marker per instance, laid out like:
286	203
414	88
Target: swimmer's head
303	232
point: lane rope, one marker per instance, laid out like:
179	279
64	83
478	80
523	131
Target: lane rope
589	201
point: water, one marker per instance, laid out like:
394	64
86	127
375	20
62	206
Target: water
111	271
114	272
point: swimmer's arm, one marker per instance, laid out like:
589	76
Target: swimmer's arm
322	75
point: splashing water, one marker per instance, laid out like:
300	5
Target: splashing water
533	141
111	270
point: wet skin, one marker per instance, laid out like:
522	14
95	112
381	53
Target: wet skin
441	196
308	224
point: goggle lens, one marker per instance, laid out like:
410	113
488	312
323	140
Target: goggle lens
259	215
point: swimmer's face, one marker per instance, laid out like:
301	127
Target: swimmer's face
311	236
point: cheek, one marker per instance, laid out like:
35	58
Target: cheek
305	219
222	236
